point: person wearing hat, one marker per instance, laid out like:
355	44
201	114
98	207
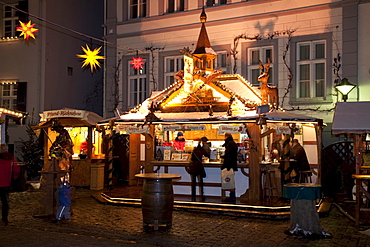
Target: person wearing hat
179	142
206	145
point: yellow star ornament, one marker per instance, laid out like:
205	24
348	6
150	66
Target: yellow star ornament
91	57
27	30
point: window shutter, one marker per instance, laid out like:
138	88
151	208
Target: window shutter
22	96
23	5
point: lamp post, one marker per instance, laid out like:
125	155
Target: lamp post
345	87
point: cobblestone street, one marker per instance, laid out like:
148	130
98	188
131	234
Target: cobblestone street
95	224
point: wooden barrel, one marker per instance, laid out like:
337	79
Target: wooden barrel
157	202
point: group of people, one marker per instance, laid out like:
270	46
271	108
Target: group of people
198	171
296	154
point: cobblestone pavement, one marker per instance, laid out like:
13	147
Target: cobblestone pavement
95	224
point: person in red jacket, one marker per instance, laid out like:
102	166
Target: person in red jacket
9	169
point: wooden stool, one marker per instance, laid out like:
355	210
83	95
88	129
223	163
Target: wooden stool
304	176
269	184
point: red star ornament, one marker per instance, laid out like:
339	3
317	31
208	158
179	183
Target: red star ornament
137	62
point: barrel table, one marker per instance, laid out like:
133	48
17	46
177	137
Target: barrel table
304	219
157	198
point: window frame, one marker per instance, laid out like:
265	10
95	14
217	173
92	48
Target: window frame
12	97
141	79
178	6
255	66
141	11
168	75
312	61
13	19
328	83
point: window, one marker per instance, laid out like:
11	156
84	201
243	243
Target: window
210	3
173	64
137	85
311	64
221	61
9	95
175	5
10	21
137	8
255	55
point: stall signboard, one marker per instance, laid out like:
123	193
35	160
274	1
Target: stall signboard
63	114
130	129
226	128
192	127
286	130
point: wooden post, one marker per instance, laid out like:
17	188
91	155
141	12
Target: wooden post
255	187
149	149
318	131
358	159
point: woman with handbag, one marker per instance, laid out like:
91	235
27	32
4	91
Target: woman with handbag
197	170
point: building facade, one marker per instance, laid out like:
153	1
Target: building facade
44	73
299	40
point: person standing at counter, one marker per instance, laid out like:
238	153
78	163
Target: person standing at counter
299	156
198	170
179	142
230	159
206	145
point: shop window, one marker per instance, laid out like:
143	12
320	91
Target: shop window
138	88
137	9
175	6
255	55
173	64
311	66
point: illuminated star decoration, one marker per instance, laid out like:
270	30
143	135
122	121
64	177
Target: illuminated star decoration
91	57
27	30
137	62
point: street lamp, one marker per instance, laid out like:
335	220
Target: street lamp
345	87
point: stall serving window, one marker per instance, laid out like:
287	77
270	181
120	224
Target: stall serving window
79	136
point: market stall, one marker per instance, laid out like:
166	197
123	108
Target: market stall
352	119
87	149
205	103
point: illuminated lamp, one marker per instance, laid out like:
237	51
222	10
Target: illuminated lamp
345	87
91	57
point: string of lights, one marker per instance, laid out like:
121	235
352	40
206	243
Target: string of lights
74	31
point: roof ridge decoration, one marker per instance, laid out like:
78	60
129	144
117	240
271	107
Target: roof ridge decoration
203	43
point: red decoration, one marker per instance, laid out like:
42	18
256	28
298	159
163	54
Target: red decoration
137	62
27	30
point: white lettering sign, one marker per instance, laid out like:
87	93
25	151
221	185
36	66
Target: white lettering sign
241	129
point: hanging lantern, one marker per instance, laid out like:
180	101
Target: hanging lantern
27	30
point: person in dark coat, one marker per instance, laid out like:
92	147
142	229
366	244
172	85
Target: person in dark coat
231	153
230	158
299	156
9	170
198	171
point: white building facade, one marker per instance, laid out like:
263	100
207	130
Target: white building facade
301	39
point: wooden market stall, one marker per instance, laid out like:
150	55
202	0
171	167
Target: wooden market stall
353	119
204	102
87	144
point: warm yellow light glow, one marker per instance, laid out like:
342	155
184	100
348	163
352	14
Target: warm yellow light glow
91	57
27	30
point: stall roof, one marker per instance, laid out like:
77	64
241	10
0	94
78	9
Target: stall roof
70	117
351	118
217	116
